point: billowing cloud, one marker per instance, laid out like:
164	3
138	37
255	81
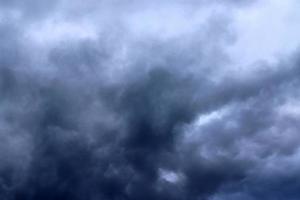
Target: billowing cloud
130	100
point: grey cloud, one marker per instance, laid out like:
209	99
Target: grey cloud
102	118
29	8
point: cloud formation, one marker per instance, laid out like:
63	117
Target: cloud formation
142	100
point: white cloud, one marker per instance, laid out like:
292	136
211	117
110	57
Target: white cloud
266	31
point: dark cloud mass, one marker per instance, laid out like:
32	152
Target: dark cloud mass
139	100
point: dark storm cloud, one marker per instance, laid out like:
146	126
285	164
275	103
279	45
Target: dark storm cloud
119	117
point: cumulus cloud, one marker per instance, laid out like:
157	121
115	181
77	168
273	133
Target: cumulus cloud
129	100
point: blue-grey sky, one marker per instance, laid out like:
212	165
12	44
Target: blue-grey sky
149	100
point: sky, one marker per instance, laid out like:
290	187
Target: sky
149	100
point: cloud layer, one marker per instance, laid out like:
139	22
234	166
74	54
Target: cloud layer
130	100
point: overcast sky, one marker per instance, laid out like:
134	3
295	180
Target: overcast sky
149	100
